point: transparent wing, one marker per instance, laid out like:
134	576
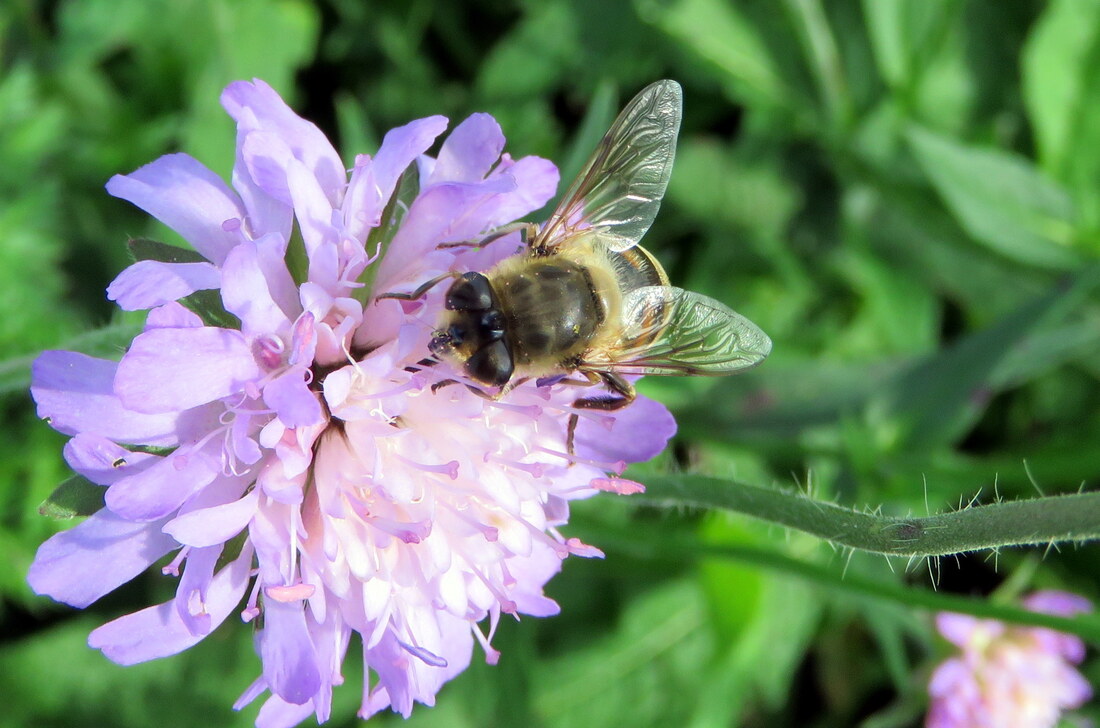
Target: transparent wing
622	183
672	331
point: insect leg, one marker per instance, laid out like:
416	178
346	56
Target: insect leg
572	433
419	292
617	385
524	229
612	381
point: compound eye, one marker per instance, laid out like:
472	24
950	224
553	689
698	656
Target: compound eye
471	292
491	325
491	364
456	333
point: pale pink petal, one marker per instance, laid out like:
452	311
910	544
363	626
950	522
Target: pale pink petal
104	552
246	292
306	142
292	399
373	180
161	488
289	657
102	461
169	370
536	182
637	433
187	197
158	631
214	525
172	316
75	393
470	151
150	283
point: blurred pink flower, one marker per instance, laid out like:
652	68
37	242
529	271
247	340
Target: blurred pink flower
301	462
1008	676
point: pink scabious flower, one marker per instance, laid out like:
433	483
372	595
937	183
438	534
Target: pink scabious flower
288	449
1008	676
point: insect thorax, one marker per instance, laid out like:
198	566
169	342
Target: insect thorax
554	307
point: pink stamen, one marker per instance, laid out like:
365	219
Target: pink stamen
288	594
251	611
173	568
578	548
620	486
408	532
492	656
450	469
535	469
616	467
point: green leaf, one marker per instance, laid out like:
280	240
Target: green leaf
900	30
1001	200
145	249
75	497
721	33
1061	88
939	398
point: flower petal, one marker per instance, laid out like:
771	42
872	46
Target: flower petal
536	182
246	292
470	151
292	399
305	141
150	283
214	525
82	564
75	392
175	369
187	197
638	433
290	659
102	461
172	316
158	631
373	180
194	587
161	488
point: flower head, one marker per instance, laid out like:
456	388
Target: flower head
275	433
1007	676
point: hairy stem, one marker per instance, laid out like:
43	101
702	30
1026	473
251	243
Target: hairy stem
681	548
1042	521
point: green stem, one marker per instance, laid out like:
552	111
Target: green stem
681	548
1041	521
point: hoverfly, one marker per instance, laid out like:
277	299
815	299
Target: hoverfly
584	298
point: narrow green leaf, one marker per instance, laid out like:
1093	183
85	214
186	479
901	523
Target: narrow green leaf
1061	88
899	30
1060	74
721	33
208	305
940	397
75	497
1001	200
146	249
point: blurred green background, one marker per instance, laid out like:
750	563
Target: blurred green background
905	194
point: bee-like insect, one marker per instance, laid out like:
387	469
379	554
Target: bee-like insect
583	297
